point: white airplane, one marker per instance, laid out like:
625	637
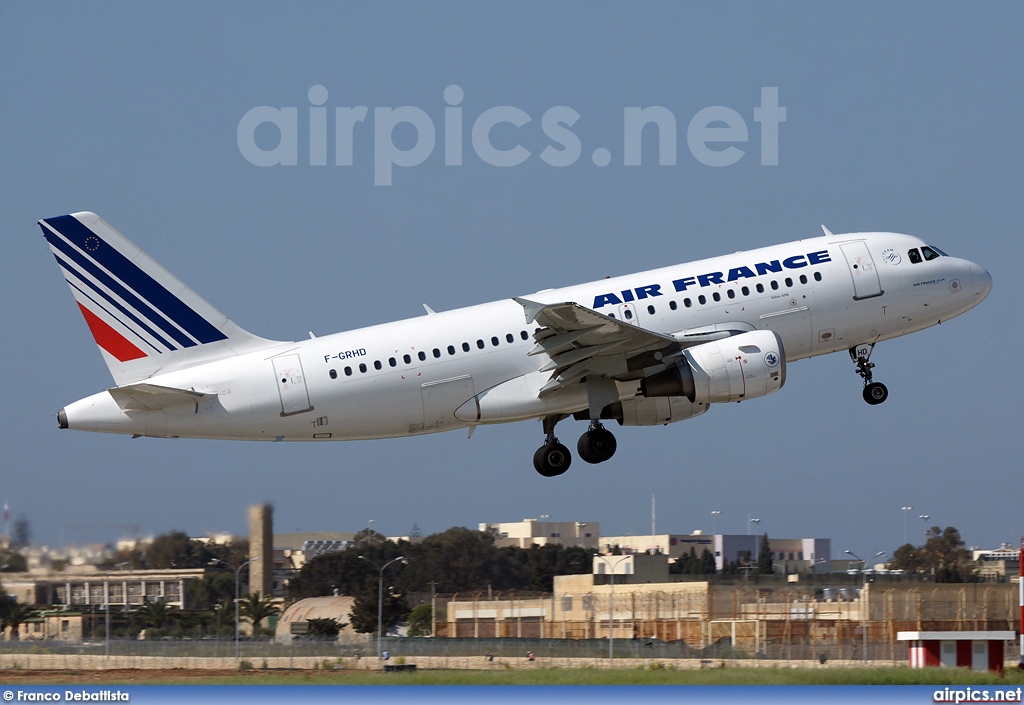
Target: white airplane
643	349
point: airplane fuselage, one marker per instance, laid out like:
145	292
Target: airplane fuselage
416	376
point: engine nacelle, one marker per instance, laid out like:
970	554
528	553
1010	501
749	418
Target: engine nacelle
657	411
741	367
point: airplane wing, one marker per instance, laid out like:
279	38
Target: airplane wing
581	341
153	397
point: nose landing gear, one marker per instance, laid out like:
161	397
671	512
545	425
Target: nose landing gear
874	392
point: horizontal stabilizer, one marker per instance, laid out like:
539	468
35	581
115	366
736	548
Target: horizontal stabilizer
153	397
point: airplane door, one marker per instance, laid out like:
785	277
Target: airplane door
291	385
442	398
862	269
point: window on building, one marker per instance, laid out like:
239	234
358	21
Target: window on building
567	603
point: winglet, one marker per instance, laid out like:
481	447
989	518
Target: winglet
828	233
530	308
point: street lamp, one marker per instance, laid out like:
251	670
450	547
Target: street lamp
863	594
380	596
925	518
905	510
238	597
611	604
751	521
714	521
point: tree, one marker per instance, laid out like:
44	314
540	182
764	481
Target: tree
364	611
14	614
944	555
764	557
14	563
156	614
256	608
420	621
320	628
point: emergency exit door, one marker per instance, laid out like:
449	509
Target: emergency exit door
291	385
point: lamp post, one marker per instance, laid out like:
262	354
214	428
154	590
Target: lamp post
905	510
611	603
751	521
863	594
715	513
238	597
925	518
579	525
380	596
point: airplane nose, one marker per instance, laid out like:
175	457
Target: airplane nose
982	281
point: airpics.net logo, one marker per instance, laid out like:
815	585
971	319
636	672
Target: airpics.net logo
715	135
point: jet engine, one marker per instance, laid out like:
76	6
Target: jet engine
740	367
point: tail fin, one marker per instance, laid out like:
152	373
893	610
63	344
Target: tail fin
145	320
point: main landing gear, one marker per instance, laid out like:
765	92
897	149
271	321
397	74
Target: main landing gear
552	459
874	392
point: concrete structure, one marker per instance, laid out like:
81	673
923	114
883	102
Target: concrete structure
261	546
977	650
997	564
292	623
674	546
540	532
120	588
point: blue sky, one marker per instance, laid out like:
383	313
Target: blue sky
898	117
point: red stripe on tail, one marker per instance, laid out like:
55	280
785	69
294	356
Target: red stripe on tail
109	339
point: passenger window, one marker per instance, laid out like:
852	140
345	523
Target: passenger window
929	253
377	365
480	344
421	355
687	303
406	359
392	362
760	288
362	367
731	294
611	315
803	278
437	353
716	296
745	291
494	340
348	371
628	315
914	256
451	349
775	285
673	305
789	283
650	310
817	276
334	374
510	338
465	347
702	299
524	335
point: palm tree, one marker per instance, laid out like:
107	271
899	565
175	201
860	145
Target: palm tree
257	608
157	614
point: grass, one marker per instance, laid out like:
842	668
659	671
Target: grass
587	676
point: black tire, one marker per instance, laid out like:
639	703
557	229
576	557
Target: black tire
875	393
551	460
596	445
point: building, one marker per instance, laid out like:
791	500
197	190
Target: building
541	532
997	564
294	622
788	555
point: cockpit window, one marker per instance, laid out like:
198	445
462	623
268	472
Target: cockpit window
930	253
914	256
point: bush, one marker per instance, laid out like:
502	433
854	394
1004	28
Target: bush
245	665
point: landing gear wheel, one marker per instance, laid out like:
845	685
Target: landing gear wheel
552	459
875	393
596	445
